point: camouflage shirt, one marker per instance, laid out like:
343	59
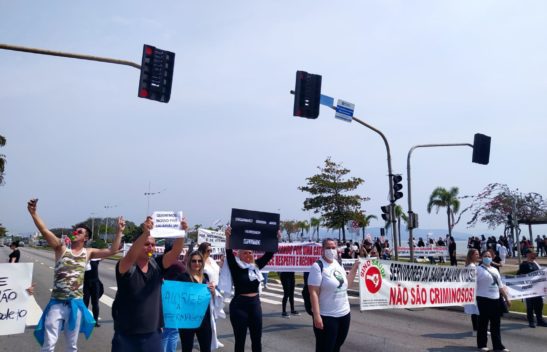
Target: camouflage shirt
68	280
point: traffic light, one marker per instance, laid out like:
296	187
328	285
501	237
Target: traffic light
307	95
386	213
412	220
397	186
481	149
156	74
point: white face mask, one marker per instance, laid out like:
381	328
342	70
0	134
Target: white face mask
330	254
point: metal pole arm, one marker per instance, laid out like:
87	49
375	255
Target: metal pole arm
69	55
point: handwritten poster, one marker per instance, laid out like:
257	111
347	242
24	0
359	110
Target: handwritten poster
167	224
15	278
184	304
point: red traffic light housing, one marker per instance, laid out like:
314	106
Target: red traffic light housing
156	74
307	95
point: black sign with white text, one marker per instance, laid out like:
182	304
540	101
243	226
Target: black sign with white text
254	230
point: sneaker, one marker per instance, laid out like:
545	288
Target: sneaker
97	325
219	344
485	349
285	315
295	312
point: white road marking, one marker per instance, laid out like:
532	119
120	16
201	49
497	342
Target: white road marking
106	300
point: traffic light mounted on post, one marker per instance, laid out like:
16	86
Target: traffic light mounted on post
397	186
156	74
307	95
386	213
481	149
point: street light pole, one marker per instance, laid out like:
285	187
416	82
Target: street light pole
106	225
409	184
92	225
148	194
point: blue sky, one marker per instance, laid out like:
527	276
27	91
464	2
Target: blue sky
423	72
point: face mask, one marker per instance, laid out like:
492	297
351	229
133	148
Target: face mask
487	261
330	254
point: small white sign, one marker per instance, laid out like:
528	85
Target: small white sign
344	110
167	224
15	278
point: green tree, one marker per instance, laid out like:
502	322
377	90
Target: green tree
363	221
289	226
303	226
315	223
2	160
443	198
327	190
3	231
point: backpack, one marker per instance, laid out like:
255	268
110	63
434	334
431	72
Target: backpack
305	290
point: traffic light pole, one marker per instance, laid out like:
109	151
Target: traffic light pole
389	170
410	236
69	55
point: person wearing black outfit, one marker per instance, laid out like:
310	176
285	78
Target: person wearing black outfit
137	310
245	308
15	255
288	283
534	305
93	288
194	273
452	251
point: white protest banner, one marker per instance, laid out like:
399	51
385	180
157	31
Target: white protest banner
387	284
525	286
297	257
167	224
216	238
15	278
423	251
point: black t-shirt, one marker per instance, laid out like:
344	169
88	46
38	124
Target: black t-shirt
15	254
137	307
240	276
93	273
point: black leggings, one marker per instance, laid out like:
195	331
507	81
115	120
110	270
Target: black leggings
246	312
490	312
92	290
203	333
333	335
288	282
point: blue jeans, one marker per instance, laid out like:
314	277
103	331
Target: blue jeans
170	339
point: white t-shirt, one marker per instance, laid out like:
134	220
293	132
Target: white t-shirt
212	270
333	283
486	285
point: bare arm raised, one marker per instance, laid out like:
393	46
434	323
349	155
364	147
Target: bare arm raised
107	252
52	240
136	248
173	255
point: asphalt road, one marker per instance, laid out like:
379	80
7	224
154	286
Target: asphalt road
439	330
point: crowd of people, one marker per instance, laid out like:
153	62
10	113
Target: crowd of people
140	275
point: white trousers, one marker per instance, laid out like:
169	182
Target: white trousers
57	319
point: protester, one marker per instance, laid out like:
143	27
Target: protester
471	261
489	290
288	282
15	254
66	310
452	251
502	252
245	308
328	287
194	273
170	336
534	305
93	288
212	270
136	311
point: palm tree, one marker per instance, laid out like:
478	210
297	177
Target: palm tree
2	159
364	221
441	198
303	225
315	223
399	215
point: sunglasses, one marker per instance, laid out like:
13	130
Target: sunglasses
197	261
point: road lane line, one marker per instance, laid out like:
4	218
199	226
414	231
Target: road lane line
106	300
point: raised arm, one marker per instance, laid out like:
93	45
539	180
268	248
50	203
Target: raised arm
133	253
50	237
107	252
173	255
351	276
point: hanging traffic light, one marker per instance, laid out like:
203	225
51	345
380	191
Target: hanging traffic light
397	186
156	74
307	95
386	213
481	149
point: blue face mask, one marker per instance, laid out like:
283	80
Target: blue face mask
487	260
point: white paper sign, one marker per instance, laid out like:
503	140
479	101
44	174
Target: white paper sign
167	224
15	278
